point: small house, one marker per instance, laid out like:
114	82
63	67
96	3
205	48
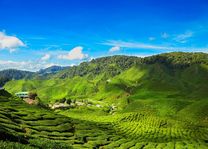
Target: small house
22	94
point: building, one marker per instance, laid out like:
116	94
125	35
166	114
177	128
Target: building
22	94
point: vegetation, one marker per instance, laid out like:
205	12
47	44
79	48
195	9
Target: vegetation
52	69
178	59
12	74
114	102
136	80
108	66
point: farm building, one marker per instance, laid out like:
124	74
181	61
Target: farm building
22	94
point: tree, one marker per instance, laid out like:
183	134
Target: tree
68	101
32	95
62	100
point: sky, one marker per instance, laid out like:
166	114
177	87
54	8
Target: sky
37	34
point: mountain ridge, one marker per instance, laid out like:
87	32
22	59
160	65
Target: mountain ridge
124	77
159	101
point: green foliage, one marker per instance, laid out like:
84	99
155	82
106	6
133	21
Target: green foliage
48	144
178	59
110	66
34	127
14	145
133	79
4	93
154	102
7	75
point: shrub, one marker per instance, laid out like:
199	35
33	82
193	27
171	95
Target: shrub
32	95
49	144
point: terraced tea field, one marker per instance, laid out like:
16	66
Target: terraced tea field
162	133
145	130
38	127
28	126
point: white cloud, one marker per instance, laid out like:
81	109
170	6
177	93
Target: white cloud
24	65
75	54
137	45
46	57
182	38
141	55
114	49
9	42
164	35
133	45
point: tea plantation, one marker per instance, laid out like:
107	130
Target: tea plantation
115	102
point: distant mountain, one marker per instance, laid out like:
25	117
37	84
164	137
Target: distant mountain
52	69
13	74
161	98
113	65
177	74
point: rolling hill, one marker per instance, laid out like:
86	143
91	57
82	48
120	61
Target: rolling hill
154	102
165	75
32	127
13	74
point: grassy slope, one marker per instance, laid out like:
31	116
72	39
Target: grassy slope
35	127
153	81
140	86
159	105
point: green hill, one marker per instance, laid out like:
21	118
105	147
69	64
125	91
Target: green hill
156	102
13	74
165	75
32	127
170	82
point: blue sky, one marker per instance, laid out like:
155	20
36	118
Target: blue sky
40	33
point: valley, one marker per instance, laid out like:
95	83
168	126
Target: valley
123	102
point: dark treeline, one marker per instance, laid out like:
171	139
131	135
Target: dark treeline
114	65
10	74
178	59
109	66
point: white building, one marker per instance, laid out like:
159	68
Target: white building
22	94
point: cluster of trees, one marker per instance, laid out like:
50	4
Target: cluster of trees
109	65
33	95
15	74
5	93
3	80
51	70
10	74
64	100
114	65
177	59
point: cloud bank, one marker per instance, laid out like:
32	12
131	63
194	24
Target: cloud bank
24	65
10	43
75	54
